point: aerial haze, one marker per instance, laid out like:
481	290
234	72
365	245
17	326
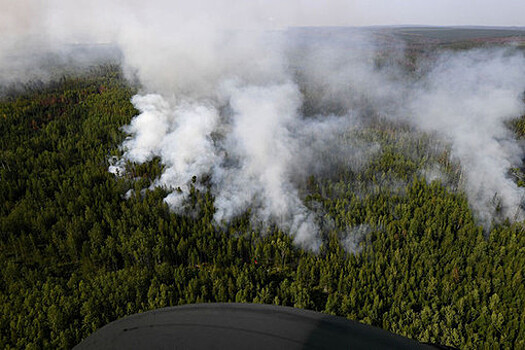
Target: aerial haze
364	159
223	87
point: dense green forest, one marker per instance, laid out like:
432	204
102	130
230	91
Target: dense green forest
76	253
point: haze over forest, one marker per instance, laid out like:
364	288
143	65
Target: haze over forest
343	147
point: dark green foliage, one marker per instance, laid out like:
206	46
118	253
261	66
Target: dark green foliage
76	254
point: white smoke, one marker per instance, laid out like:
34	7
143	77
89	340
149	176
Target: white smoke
254	150
180	135
468	99
228	94
353	238
465	98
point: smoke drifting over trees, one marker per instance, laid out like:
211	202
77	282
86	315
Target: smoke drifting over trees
229	95
173	152
234	111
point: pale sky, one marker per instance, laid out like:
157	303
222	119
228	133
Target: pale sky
99	20
396	12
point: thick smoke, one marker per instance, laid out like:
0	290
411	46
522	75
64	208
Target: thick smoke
224	103
468	99
465	98
240	125
228	94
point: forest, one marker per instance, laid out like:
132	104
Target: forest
81	247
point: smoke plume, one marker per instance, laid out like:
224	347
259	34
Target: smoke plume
231	95
468	99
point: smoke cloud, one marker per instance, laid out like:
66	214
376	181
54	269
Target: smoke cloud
468	99
231	95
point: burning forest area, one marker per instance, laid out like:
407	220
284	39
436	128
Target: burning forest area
169	154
